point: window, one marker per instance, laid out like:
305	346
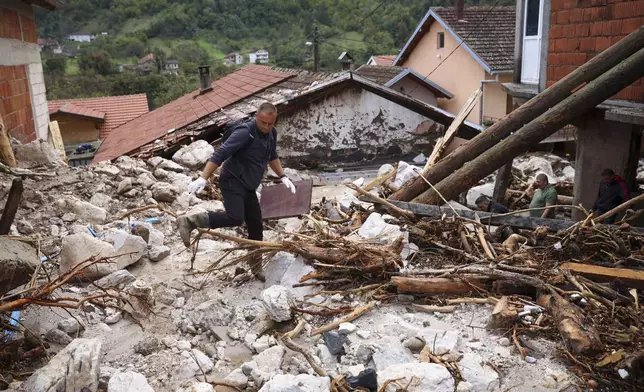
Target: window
532	18
441	40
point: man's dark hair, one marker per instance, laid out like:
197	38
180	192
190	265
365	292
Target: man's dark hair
481	199
608	172
542	177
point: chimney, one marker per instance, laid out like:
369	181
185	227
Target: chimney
204	78
459	9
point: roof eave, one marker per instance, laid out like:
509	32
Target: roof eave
50	5
442	93
501	71
409	41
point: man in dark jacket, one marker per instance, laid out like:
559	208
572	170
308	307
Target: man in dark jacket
243	158
487	205
612	192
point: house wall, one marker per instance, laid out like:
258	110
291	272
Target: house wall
495	99
580	29
352	125
421	93
23	105
76	130
460	74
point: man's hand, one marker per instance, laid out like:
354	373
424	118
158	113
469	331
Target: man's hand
287	183
197	185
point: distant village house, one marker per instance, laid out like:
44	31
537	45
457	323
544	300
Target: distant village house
381	60
23	104
258	57
234	58
81	37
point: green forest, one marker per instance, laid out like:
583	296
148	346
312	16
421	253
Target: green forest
195	32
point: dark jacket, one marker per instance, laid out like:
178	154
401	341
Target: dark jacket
496	208
611	194
246	153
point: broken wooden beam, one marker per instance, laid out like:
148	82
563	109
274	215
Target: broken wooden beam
6	152
503	314
447	286
589	96
525	113
632	278
11	206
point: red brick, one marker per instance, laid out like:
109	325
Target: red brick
11	23
568	4
560	45
576	15
20	71
597	29
10	120
587	44
556	31
563	16
582	30
576	58
569	30
613	27
561	72
572	44
630	25
557	5
550	73
29	33
615	39
601	43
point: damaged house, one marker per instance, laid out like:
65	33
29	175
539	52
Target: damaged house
324	117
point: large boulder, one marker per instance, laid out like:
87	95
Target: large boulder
129	382
299	383
426	377
130	248
390	352
482	377
534	165
118	279
286	270
480	190
164	192
84	211
211	314
101	200
170	166
74	368
278	301
18	260
77	248
195	386
107	169
37	153
194	155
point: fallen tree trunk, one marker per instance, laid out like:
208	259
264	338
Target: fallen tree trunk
561	199
525	113
540	128
438	285
580	336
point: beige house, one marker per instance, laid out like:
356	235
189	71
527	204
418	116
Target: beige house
463	49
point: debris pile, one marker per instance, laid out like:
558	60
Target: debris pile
360	295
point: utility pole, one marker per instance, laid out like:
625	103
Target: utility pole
316	49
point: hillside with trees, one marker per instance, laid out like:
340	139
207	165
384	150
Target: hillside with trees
202	31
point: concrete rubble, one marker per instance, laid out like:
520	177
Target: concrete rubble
224	325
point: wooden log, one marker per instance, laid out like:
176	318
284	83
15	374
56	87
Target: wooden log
578	333
502	182
596	92
11	206
632	278
526	113
503	315
437	285
379	181
433	308
6	152
354	315
441	145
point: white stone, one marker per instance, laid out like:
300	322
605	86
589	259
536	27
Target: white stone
237	378
464	386
405	173
535	165
80	247
483	379
278	301
124	186
164	192
194	155
101	200
390	352
505	342
36	153
261	344
355	370
376	228
385	169
130	248
170	166
118	279
364	334
70	326
107	169
420	159
184	345
87	212
347	328
475	192
74	368
159	253
269	361
129	382
441	342
568	174
194	386
426	377
359	182
299	383
154	162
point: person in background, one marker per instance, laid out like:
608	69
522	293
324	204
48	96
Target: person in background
612	192
544	197
487	205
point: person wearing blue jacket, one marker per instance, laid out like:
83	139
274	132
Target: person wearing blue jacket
243	158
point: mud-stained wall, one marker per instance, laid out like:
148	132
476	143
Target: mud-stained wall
352	125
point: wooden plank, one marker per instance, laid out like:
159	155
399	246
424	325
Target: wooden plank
57	138
11	206
442	144
379	181
633	278
6	152
278	202
437	285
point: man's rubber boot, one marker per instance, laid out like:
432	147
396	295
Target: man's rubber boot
187	223
255	263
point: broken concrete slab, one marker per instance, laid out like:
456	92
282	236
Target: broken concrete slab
74	368
37	153
426	377
18	261
130	248
299	383
482	378
77	248
87	212
278	301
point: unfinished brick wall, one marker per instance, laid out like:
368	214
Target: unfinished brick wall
15	103
17	25
580	29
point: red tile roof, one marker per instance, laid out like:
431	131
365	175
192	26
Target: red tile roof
116	110
185	110
384	60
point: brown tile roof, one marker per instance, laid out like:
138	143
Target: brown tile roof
384	59
488	35
188	109
390	75
117	110
146	58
